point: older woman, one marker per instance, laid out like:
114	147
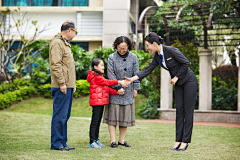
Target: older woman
121	110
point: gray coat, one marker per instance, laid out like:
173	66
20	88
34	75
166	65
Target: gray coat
118	68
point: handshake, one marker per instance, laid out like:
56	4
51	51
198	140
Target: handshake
125	82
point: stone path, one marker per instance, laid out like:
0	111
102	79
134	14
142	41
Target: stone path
223	124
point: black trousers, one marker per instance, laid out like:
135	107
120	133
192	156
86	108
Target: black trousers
97	112
185	96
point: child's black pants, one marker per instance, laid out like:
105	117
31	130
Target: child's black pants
97	112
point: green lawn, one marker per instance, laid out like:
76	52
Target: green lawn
80	107
25	134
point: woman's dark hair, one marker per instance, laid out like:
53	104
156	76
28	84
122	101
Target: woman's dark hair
121	39
154	37
95	62
67	25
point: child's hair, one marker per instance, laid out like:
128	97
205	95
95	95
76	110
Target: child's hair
95	62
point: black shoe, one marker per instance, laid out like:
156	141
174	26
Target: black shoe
176	148
61	149
69	148
124	144
183	149
113	145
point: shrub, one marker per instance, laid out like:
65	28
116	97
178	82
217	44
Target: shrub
5	87
191	53
24	92
82	61
21	89
82	88
148	110
40	71
227	73
45	90
224	96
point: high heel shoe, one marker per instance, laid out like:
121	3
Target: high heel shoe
183	149
176	148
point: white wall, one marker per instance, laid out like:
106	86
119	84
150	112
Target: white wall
115	20
55	18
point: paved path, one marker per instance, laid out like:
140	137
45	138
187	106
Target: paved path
223	124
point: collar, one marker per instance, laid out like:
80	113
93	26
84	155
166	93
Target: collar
66	40
125	55
161	52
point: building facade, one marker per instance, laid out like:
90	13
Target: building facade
99	22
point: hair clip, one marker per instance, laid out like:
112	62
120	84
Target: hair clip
160	37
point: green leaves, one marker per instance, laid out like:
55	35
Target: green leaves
148	110
34	22
191	53
224	96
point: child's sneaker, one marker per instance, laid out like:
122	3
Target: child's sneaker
100	144
94	145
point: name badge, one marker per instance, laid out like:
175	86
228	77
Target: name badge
169	58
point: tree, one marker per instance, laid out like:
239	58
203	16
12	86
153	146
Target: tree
24	55
194	13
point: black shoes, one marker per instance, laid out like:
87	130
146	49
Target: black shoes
69	148
61	149
183	149
124	144
176	148
113	145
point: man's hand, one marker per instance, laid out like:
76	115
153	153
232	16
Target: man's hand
63	89
134	93
74	89
174	80
121	91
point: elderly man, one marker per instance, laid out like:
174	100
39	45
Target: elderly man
63	84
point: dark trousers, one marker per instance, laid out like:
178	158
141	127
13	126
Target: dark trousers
62	104
185	96
97	112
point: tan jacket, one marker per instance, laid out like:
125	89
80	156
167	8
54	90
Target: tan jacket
61	62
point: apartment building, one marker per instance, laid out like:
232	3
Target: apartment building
99	22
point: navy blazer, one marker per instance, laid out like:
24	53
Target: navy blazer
177	65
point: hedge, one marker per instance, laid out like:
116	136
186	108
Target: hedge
19	90
23	92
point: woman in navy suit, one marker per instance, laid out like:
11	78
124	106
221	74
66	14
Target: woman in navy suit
185	81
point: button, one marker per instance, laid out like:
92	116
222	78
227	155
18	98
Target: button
124	59
125	69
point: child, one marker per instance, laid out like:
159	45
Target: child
99	96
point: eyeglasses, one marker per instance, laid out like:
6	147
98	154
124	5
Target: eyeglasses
74	31
122	49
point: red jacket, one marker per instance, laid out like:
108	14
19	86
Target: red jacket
99	90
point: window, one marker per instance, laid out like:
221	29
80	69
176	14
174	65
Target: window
90	23
84	45
45	2
5	23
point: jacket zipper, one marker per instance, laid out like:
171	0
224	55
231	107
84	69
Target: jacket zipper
68	75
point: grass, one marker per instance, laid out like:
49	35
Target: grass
25	134
80	107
